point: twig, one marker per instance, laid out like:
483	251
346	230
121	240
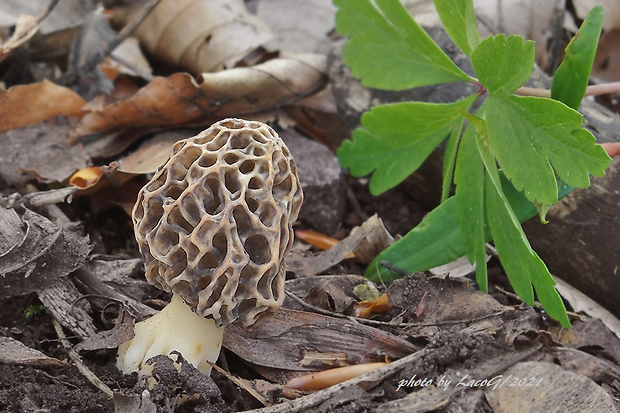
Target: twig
241	383
389	323
90	376
131	26
305	403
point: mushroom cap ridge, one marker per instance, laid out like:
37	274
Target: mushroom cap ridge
215	222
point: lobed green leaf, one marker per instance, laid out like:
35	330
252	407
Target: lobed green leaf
469	180
437	239
389	50
521	263
535	138
459	20
449	160
503	63
397	138
571	79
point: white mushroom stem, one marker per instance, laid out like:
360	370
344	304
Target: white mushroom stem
176	327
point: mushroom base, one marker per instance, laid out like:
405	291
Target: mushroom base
176	327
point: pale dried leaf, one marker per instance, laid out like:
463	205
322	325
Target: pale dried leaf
25	105
129	59
25	28
15	352
582	303
134	403
178	98
66	14
611	17
151	155
198	35
559	391
313	265
300	26
457	268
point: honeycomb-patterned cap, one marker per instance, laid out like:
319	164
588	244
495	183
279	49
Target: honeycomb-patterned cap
215	222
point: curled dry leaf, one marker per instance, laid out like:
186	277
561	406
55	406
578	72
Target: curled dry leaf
179	98
198	35
367	308
25	105
95	178
34	257
25	27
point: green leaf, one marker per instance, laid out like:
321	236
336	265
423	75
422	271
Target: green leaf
459	20
571	79
449	159
535	138
521	263
437	239
397	138
469	180
389	50
503	64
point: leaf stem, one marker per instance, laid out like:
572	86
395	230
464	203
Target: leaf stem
592	90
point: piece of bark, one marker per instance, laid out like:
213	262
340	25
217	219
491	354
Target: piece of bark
579	243
60	299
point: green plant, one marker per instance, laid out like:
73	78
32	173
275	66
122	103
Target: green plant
33	310
512	156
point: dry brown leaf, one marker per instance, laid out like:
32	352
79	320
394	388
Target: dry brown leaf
198	35
442	299
606	64
302	341
40	152
179	98
25	105
371	230
329	292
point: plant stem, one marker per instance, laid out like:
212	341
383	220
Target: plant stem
592	90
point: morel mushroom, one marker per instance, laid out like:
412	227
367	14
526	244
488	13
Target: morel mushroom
213	226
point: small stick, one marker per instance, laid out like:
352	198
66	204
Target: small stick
241	383
90	376
303	404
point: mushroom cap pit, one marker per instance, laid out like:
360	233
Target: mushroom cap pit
215	222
